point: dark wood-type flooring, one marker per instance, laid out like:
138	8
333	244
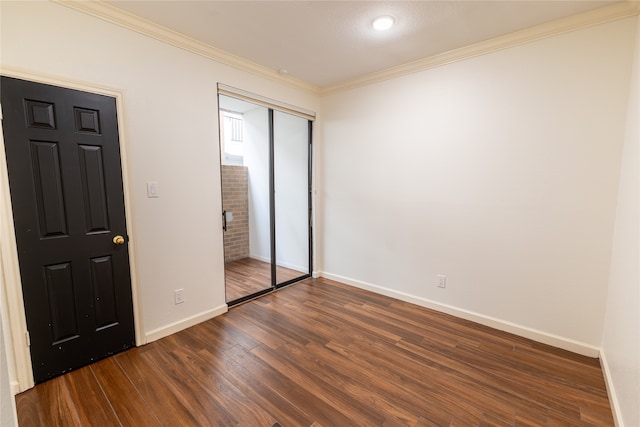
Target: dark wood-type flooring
320	353
248	276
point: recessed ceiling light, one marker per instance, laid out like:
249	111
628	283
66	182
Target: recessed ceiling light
382	23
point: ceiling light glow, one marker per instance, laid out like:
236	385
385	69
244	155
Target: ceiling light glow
382	23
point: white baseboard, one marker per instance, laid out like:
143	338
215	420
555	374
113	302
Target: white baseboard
14	386
165	331
611	391
503	325
260	258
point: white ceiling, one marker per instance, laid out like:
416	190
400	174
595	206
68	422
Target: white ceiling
326	43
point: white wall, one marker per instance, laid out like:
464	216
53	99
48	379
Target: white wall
171	133
500	171
621	338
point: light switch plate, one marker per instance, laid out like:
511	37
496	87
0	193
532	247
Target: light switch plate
152	190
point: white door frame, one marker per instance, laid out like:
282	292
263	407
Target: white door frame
11	298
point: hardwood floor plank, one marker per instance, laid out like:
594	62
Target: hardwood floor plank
31	407
248	275
473	382
438	387
336	311
480	385
537	383
571	369
489	420
48	404
247	326
96	408
291	390
223	334
262	384
435	420
321	353
217	387
172	397
208	353
270	322
245	277
411	325
597	415
373	379
128	404
331	392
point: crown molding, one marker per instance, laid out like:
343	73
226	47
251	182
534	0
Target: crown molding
601	15
140	25
145	27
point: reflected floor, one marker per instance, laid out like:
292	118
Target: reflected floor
248	275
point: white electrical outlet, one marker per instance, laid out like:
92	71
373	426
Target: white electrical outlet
178	295
441	281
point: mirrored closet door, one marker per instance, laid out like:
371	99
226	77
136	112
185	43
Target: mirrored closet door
266	198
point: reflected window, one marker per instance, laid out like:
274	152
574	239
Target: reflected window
232	138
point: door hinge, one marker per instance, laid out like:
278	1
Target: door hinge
27	338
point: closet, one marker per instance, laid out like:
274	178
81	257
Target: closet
266	194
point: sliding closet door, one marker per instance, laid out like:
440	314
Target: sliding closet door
291	198
246	202
266	198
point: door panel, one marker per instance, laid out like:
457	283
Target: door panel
245	172
63	160
51	213
291	196
64	318
93	189
103	285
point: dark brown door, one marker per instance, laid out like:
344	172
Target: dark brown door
65	177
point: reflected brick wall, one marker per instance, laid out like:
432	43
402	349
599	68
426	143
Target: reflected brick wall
235	201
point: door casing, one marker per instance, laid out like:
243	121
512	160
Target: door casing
12	308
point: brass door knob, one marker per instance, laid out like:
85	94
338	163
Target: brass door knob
118	240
